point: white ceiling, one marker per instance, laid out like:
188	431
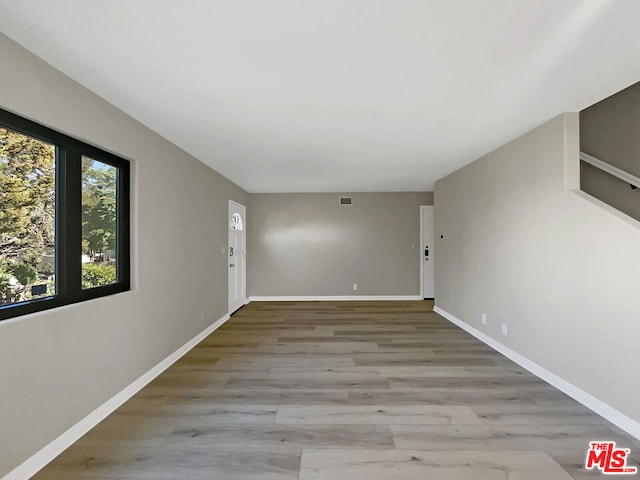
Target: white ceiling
337	95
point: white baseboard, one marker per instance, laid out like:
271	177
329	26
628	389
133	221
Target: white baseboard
352	298
616	417
40	459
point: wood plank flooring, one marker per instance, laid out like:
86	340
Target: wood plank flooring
341	390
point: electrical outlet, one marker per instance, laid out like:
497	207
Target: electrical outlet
504	329
355	286
483	318
223	250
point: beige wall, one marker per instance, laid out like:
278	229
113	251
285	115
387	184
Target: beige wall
610	131
306	244
561	271
57	366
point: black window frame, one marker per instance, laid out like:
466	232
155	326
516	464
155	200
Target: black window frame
68	219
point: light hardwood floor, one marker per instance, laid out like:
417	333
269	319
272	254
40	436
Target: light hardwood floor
341	390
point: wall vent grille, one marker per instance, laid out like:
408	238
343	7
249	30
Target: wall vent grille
346	200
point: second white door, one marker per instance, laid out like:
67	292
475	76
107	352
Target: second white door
427	268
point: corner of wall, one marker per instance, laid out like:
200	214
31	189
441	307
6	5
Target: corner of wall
571	132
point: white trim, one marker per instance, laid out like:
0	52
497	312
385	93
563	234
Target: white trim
354	298
40	459
616	417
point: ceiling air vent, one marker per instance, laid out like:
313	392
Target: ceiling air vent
346	200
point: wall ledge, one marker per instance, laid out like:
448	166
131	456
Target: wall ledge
632	222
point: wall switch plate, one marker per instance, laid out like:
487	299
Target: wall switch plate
504	329
201	317
355	286
483	318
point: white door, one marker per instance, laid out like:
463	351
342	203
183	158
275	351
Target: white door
236	255
426	252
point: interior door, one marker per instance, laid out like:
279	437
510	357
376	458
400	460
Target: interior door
428	272
236	256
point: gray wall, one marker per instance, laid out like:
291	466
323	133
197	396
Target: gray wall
307	244
610	131
560	270
57	366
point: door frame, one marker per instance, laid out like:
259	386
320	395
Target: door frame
421	249
244	263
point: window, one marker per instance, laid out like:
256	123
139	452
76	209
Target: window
64	219
27	217
99	219
236	222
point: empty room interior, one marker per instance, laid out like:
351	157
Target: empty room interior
319	240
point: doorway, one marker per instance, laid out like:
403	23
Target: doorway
427	271
237	256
